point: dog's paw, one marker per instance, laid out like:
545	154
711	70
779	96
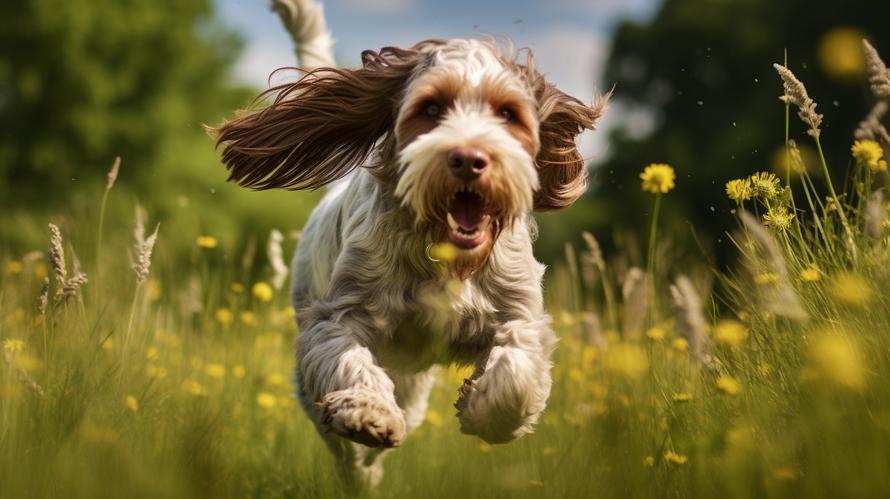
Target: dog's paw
363	416
492	419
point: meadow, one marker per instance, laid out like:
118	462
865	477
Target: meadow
142	362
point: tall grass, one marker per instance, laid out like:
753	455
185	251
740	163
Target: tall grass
777	384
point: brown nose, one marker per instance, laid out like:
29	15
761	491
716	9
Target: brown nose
467	163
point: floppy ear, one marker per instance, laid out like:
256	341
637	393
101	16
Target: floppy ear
560	167
320	128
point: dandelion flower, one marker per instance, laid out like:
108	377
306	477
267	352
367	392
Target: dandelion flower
785	474
739	189
276	379
871	154
224	316
266	400
765	185
838	359
682	397
238	371
680	344
192	387
728	385
262	292
649	461
216	371
237	288
14	267
766	278
247	318
152	353
13	345
851	289
434	418
730	333
484	448
207	242
658	178
675	458
132	403
628	361
810	274
778	218
656	334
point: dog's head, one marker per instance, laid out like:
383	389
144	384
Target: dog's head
467	137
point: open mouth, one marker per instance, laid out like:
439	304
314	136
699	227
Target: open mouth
467	221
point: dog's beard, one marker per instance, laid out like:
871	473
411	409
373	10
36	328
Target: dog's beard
469	216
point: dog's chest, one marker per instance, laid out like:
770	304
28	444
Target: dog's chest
447	324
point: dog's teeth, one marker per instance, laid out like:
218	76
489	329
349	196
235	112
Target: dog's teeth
452	223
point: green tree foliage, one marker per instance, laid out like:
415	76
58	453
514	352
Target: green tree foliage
704	68
82	81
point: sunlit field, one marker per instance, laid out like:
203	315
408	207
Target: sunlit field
144	362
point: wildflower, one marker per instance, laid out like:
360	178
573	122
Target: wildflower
656	334
626	360
658	178
765	185
237	288
649	461
132	403
238	371
442	252
810	274
192	387
728	385
207	242
680	344
682	397
778	218
796	94
484	448
152	353
14	267
434	418
108	344
223	316
871	154
838	359
739	189
840	54
548	451
154	290
217	371
576	375
785	474
262	292
13	345
266	400
276	379
730	333
851	289
156	372
247	318
765	278
675	458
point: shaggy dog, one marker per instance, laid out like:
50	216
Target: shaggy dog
420	253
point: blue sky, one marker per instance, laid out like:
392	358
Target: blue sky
570	38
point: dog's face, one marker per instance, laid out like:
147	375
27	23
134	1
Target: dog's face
466	137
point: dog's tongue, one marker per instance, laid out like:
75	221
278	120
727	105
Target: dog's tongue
467	210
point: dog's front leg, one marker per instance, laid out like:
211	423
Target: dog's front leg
509	389
353	395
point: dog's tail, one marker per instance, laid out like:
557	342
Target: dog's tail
304	20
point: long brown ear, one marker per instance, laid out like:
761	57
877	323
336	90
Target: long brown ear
320	128
560	167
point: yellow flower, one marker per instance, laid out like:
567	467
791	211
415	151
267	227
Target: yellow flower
156	372
649	461
739	189
785	474
208	242
223	316
192	387
810	274
682	397
276	379
675	458
262	292
838	358
13	345
730	333
658	178
14	267
266	400
152	353
247	318
238	371
656	334
766	278
871	154
626	360
154	290
728	385
434	418
484	448
764	185
778	218
443	252
680	344
108	344
237	288
840	53
217	371
851	289
132	403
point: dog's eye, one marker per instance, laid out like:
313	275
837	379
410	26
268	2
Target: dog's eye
432	110
507	114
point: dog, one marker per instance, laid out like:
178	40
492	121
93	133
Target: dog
420	253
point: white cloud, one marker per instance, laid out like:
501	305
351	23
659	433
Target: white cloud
386	6
263	56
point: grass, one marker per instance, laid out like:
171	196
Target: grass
777	384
